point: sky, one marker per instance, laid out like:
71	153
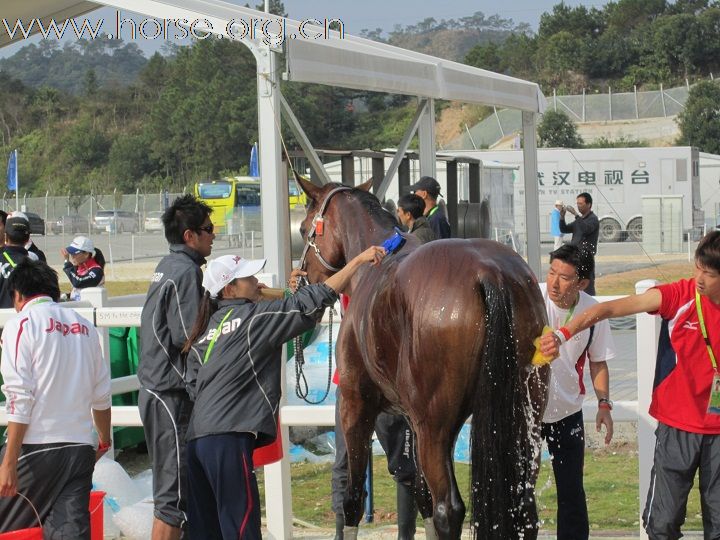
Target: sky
372	14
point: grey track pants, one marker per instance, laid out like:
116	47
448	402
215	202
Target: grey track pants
678	456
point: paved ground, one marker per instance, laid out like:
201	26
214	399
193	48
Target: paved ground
390	533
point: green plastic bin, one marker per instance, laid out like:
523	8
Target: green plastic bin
123	362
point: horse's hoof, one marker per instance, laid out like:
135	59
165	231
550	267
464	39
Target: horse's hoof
350	533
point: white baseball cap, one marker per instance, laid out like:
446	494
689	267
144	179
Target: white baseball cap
223	270
559	203
80	243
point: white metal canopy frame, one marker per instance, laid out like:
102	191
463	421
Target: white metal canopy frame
349	62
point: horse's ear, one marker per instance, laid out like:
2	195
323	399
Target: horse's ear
366	186
307	186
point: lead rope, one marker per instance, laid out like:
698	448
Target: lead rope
301	385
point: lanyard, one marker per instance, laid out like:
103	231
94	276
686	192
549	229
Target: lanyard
431	212
12	263
570	314
704	330
215	336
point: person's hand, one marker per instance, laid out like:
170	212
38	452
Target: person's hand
65	254
373	255
8	479
294	280
604	417
101	450
550	345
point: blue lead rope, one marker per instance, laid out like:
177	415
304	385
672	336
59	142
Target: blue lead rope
394	243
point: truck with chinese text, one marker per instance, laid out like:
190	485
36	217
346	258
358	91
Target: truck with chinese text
616	178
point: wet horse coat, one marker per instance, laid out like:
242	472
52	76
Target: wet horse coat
440	332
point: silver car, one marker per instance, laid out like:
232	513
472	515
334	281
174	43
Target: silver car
153	222
117	221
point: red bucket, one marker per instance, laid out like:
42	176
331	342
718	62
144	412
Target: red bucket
270	453
96	522
33	533
97	515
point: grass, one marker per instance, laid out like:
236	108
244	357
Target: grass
122	288
611	487
607	285
624	282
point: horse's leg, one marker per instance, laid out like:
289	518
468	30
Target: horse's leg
358	419
361	402
434	452
423	499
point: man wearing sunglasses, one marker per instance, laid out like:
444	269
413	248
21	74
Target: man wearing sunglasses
167	377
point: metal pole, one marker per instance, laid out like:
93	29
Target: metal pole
17	182
610	100
583	105
637	112
662	99
370	500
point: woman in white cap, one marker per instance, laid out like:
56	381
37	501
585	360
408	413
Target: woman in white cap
239	339
84	265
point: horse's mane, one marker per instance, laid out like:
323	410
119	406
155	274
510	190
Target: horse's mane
374	209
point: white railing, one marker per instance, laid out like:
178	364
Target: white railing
125	311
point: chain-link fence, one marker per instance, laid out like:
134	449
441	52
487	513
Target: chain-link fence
596	107
53	208
621	106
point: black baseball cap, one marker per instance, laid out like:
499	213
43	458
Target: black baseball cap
429	184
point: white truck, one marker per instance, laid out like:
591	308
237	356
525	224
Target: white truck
617	179
710	188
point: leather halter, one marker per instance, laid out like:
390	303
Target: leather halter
310	240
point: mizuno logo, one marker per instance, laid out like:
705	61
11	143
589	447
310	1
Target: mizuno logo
690	325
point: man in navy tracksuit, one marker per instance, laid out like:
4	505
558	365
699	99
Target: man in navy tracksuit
238	387
428	189
166	377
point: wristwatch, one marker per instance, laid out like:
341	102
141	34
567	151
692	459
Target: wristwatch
605	403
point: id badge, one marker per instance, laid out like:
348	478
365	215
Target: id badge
714	405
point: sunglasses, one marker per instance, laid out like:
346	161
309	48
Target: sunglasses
207	228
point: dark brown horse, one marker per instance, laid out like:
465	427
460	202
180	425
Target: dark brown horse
440	332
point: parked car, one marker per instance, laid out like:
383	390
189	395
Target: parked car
37	224
70	224
153	222
118	221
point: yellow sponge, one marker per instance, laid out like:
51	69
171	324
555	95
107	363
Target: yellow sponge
539	359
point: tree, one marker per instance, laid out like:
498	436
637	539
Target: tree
91	83
700	119
485	57
556	130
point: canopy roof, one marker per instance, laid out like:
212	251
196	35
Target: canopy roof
350	62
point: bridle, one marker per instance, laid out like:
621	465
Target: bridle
310	240
301	385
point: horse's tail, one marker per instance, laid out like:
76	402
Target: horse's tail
500	440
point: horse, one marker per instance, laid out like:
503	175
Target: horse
438	332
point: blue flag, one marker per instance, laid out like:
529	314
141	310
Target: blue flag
254	169
12	171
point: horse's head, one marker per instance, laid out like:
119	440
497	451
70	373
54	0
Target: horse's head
322	228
